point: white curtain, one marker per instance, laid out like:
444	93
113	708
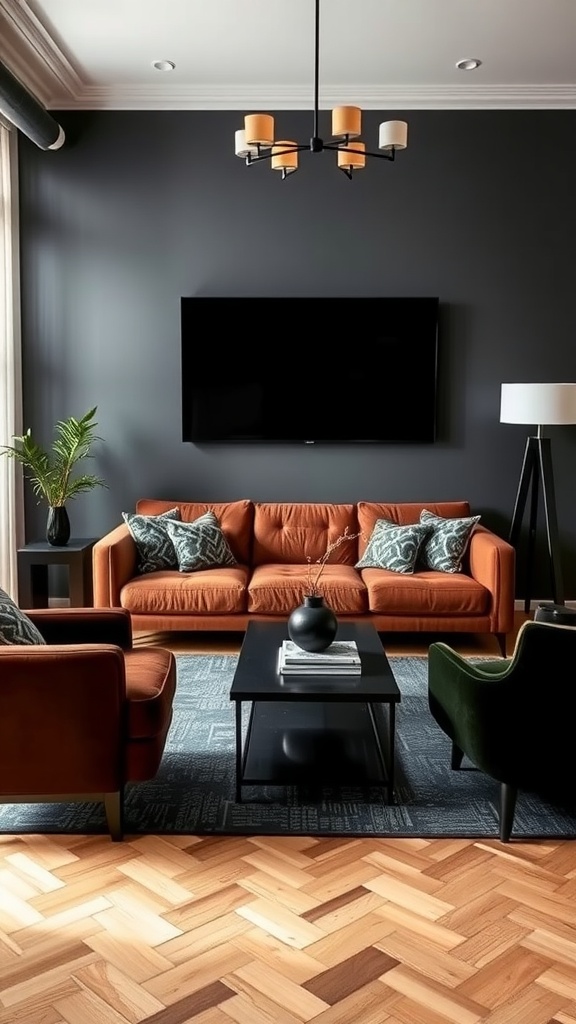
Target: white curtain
11	483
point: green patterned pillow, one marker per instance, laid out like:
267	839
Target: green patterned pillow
155	549
444	549
393	547
200	544
15	626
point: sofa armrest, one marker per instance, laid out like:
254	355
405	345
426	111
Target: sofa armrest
62	718
492	563
84	625
114	559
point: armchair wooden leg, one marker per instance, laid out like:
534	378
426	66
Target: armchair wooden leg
114	807
501	638
508	795
456	758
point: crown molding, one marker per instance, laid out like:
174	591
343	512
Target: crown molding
34	57
242	97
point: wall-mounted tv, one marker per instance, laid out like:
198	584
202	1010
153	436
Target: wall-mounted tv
309	370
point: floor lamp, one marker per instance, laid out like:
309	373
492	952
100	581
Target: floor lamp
540	404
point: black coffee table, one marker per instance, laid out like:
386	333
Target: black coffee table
314	730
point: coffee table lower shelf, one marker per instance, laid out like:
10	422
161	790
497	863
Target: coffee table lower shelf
315	743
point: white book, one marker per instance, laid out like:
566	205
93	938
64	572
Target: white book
330	670
339	652
314	669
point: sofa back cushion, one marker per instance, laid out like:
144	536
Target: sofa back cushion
403	513
235	517
288	533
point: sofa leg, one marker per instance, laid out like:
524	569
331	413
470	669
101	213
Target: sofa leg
501	638
508	795
456	757
114	807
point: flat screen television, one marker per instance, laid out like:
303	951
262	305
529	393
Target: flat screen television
309	370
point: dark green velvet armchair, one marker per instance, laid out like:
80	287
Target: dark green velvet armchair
514	718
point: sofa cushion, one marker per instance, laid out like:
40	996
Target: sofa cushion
393	547
425	594
206	592
291	533
402	513
444	547
150	688
155	549
279	589
235	517
15	626
201	544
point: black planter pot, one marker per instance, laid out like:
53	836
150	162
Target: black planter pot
58	526
313	626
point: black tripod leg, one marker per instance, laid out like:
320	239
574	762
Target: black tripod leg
532	526
551	519
527	475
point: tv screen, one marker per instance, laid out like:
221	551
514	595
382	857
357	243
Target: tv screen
309	370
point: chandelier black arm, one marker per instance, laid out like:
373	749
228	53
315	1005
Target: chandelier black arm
269	154
335	148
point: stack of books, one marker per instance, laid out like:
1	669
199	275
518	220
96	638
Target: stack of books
341	658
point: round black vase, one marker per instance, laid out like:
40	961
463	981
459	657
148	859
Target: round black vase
313	625
58	526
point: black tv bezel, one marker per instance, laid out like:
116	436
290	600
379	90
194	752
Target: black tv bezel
192	312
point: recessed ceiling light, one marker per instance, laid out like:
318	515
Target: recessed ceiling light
163	65
468	64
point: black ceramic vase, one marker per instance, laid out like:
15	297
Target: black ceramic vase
313	625
58	526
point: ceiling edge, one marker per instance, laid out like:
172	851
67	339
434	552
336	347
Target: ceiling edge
242	97
33	56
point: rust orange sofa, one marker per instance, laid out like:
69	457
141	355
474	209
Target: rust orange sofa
272	542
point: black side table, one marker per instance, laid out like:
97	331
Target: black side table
556	614
33	562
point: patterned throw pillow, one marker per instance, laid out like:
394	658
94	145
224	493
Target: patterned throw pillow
393	547
15	626
445	547
200	544
155	549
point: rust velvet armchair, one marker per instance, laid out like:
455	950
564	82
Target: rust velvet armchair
83	714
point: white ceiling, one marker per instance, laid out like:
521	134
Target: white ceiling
258	54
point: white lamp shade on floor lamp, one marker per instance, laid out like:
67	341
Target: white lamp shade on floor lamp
538	403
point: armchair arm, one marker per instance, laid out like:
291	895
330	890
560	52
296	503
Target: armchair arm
84	625
62	718
114	559
492	562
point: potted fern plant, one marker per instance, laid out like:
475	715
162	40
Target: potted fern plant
51	472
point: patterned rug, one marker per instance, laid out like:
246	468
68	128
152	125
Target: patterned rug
193	792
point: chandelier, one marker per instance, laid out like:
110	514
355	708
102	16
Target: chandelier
256	142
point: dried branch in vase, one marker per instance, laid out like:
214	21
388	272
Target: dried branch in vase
314	574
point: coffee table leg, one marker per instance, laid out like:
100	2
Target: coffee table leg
391	758
238	751
386	756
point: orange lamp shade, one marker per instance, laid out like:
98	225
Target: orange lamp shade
346	121
284	159
352	161
259	129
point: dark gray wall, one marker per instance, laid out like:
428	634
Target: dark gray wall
140	208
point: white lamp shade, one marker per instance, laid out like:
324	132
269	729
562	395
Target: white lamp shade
242	148
393	135
538	403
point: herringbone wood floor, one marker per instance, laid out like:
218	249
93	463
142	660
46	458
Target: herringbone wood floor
170	930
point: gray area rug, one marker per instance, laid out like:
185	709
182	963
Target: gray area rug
193	792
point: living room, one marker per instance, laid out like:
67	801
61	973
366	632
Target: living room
139	208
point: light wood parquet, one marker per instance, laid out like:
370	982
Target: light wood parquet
265	930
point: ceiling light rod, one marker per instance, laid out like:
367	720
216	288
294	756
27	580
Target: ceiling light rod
255	141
